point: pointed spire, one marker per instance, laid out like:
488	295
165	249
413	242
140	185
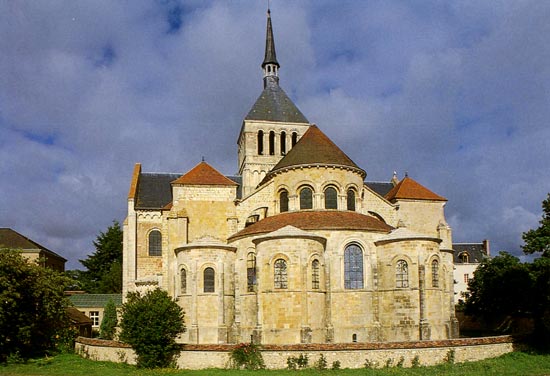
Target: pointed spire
270	64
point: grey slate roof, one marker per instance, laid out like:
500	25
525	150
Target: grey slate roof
476	252
270	55
381	188
94	300
154	190
274	105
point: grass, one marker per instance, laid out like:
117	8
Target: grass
517	363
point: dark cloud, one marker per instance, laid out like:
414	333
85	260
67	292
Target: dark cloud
454	93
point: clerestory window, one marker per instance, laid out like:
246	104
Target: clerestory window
353	267
280	274
155	243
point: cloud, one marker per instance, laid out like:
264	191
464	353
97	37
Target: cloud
454	93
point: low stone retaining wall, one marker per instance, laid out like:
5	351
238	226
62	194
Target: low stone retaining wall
350	355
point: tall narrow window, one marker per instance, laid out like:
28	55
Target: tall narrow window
155	243
260	142
315	274
183	281
283	201
331	198
306	198
251	272
435	273
402	274
283	143
271	143
209	280
294	138
280	274
351	199
353	267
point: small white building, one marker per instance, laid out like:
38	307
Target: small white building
467	257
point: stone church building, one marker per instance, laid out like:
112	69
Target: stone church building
298	247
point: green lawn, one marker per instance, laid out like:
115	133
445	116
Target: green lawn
518	363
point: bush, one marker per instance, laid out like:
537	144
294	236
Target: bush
150	324
32	306
108	324
322	363
247	356
294	362
336	365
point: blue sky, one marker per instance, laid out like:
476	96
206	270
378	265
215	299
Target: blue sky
455	93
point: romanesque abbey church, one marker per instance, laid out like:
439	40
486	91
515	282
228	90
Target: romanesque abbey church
298	247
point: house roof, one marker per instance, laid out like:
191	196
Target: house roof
410	189
12	239
315	220
78	317
382	188
315	148
94	300
274	105
476	252
204	174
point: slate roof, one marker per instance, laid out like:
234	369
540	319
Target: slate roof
203	174
12	239
476	252
94	300
380	187
154	191
410	189
315	148
274	105
315	220
270	55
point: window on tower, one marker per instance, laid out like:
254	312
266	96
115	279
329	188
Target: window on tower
260	142
271	143
283	143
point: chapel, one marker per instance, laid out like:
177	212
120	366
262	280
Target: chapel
297	247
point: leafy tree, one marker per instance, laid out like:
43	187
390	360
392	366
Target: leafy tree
150	324
32	306
501	286
108	324
103	274
538	240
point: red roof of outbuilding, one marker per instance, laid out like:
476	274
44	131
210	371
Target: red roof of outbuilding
203	174
410	189
316	220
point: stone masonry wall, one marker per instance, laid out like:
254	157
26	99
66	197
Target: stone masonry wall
350	355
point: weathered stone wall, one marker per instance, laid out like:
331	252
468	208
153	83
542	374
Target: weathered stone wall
349	355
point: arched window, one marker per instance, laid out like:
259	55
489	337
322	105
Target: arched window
271	143
353	267
260	142
283	143
294	138
183	281
306	198
464	257
351	199
280	274
402	274
251	272
283	201
209	280
435	273
331	198
315	274
155	243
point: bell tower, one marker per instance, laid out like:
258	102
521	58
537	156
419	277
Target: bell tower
272	126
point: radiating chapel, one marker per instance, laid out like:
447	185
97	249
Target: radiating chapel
297	247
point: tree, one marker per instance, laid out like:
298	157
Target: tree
150	324
538	240
108	324
103	272
32	306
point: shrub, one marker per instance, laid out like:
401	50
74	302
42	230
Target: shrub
150	324
322	363
301	361
336	365
247	356
108	324
415	363
450	357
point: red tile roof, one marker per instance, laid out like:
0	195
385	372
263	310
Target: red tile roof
410	189
315	220
315	148
203	174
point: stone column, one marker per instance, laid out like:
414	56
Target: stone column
425	331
